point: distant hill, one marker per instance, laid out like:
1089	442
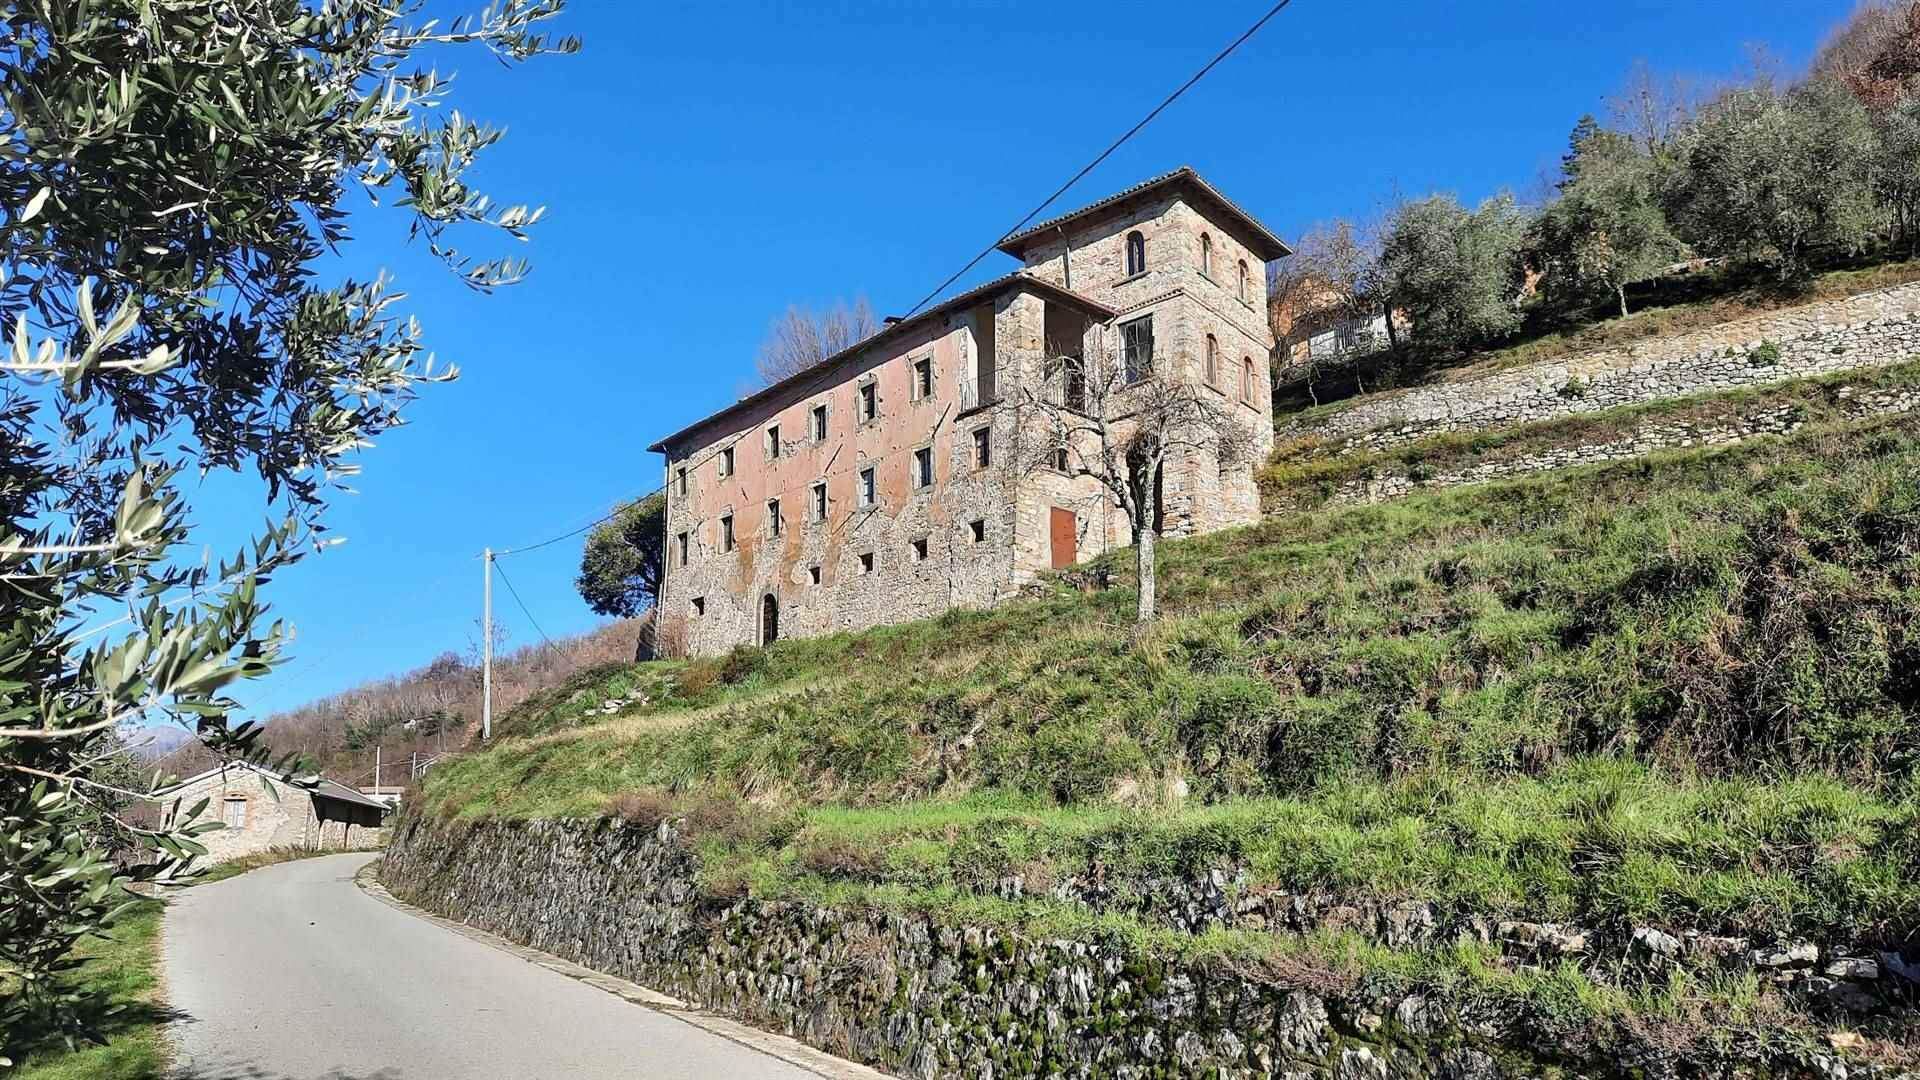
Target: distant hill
424	711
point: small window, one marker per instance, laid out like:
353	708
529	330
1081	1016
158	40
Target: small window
819	423
923	467
982	447
1246	380
869	402
813	575
1206	254
820	501
773	517
1059	459
1136	343
726	533
1213	361
773	440
866	562
923	378
1136	253
1074	390
686	546
680	481
1243	281
866	486
920	550
699	605
726	463
978	528
233	811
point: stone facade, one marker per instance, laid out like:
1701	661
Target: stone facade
925	999
894	481
1874	329
255	818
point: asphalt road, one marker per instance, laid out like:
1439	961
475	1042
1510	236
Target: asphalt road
291	972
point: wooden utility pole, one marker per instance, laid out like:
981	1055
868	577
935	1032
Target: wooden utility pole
486	645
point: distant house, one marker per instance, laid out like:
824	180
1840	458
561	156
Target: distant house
263	810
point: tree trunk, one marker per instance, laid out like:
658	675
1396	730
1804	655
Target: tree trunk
1147	525
1621	291
1147	606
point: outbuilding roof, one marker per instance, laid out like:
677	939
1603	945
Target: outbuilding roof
1266	244
1019	278
325	789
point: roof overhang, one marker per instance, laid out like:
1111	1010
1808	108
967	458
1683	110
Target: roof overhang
1019	280
1183	179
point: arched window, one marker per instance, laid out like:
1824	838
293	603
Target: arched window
1246	380
1136	253
1243	281
1213	361
1206	254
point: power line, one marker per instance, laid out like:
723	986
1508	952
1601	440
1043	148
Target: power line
1104	154
515	593
602	519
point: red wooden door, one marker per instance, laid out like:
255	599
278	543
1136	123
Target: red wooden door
1065	530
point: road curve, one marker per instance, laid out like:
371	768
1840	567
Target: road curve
291	972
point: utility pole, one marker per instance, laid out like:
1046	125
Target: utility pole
376	767
486	645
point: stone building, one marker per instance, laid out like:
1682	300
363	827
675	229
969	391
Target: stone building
256	819
888	482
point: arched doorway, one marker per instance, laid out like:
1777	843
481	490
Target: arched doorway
769	620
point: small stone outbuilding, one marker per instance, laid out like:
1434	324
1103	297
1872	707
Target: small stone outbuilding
262	810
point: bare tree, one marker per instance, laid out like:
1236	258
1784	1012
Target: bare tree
1118	416
802	337
1653	108
1333	276
1875	53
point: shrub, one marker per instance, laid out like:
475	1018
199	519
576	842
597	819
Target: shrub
1765	354
646	808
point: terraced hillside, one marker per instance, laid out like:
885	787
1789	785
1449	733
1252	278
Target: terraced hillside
1667	700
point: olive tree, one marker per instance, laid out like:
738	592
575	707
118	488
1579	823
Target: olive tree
1762	170
1454	271
1607	229
176	172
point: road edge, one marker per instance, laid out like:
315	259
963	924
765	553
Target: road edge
782	1047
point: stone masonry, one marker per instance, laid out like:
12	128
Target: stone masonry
256	819
1646	438
1874	329
924	998
893	481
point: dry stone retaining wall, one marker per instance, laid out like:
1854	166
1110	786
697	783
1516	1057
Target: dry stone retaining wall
1656	434
1874	329
926	999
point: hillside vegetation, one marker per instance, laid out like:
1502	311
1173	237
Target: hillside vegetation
1678	690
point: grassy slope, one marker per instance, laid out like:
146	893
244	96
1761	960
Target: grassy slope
123	972
1679	690
1302	469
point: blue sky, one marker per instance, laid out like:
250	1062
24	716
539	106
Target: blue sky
707	164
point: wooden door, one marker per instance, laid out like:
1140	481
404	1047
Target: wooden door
1065	531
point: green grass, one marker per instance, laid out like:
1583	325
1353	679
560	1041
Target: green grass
1303	472
121	974
1681	689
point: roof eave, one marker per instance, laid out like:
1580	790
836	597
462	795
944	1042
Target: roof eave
1017	279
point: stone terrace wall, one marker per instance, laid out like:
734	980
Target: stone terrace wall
925	999
1654	435
1872	329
